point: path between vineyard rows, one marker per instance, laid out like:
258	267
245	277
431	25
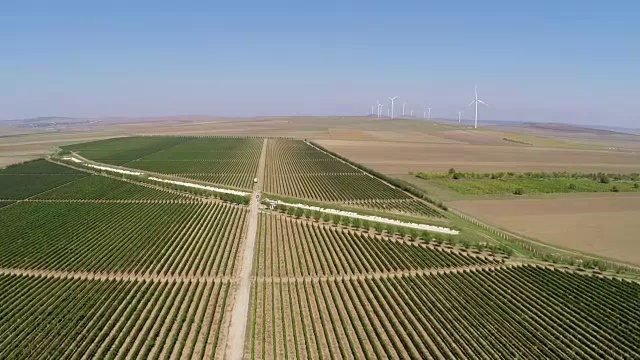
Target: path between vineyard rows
240	312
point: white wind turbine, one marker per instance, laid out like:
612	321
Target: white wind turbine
429	114
411	112
379	108
476	101
459	115
403	105
372	106
393	99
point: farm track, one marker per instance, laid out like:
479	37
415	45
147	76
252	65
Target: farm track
240	313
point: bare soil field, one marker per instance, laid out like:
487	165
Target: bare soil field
601	224
401	157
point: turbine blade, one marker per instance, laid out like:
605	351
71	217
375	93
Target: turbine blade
471	103
482	102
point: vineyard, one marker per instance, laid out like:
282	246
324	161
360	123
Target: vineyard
294	248
186	239
97	187
516	312
61	318
226	161
31	178
297	169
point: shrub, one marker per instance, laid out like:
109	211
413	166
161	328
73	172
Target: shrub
614	188
452	171
518	191
326	217
299	212
572	186
378	227
636	185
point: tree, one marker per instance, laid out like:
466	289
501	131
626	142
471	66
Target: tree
345	221
602	178
518	191
326	217
636	185
366	224
452	171
614	188
299	212
317	215
291	211
572	186
379	227
357	223
402	231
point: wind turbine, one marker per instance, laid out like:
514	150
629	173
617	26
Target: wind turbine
476	101
411	112
393	99
389	116
424	114
403	105
379	108
372	106
459	114
429	113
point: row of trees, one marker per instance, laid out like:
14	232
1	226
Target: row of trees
599	176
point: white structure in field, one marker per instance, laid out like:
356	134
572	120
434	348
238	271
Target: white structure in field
476	101
393	99
432	228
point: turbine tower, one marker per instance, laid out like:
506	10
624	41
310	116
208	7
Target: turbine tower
459	114
429	113
476	101
411	112
403	105
379	108
372	106
393	99
424	114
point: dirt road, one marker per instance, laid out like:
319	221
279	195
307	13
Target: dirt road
240	312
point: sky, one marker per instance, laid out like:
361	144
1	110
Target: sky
561	61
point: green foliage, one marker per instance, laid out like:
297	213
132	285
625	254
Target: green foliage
518	191
614	188
126	237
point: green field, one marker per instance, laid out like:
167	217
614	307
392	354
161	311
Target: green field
97	187
158	238
217	160
530	186
103	319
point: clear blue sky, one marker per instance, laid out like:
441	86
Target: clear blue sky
572	61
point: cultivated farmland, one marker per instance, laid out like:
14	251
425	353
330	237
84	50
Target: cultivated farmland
25	180
226	161
516	312
295	248
76	318
182	239
297	169
97	187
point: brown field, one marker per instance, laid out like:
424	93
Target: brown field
601	224
401	157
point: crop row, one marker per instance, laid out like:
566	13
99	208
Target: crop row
289	247
38	166
211	149
118	151
16	187
403	206
198	239
77	319
97	187
297	169
515	313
